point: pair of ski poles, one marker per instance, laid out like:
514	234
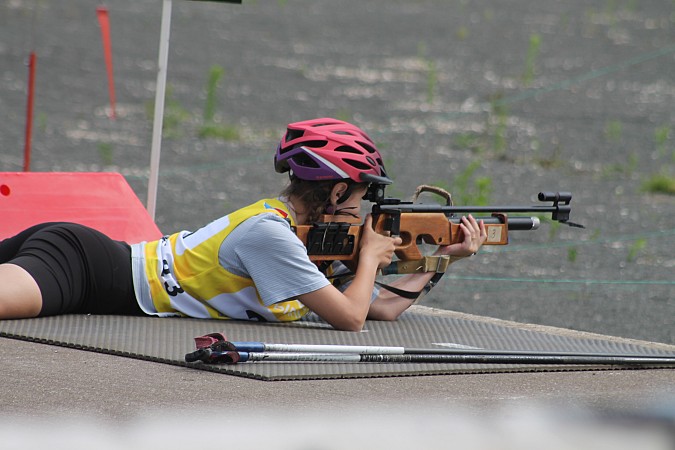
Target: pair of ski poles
226	352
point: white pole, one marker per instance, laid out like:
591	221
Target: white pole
159	107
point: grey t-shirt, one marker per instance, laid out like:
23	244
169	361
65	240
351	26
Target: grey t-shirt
265	249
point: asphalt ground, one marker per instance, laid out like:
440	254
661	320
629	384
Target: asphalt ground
499	99
56	397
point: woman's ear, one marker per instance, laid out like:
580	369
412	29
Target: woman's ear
337	192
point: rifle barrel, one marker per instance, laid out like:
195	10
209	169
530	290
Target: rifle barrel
514	223
448	210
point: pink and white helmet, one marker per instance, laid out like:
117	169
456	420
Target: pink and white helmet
329	149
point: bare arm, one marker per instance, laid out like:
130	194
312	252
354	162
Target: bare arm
348	310
389	306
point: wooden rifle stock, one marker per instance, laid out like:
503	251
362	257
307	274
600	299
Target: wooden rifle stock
437	229
334	239
337	237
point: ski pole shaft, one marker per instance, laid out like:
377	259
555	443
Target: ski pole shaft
261	347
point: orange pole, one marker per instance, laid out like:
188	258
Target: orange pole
104	22
32	60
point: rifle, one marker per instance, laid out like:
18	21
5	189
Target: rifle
336	237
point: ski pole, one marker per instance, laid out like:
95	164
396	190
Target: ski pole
207	355
457	358
261	347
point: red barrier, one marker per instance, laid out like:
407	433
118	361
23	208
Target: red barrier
103	201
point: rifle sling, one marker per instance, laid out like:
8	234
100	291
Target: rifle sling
437	264
413	295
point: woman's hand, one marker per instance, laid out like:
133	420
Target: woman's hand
375	246
474	235
348	310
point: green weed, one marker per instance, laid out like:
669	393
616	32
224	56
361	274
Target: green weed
553	225
105	150
219	131
572	254
174	115
610	11
531	59
469	141
660	183
174	118
553	229
344	115
661	137
462	33
42	122
432	80
625	169
470	190
636	248
494	138
211	128
497	124
432	71
553	161
215	75
613	130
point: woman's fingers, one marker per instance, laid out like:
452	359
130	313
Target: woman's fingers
377	245
474	233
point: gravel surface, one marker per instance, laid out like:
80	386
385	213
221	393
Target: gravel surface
503	99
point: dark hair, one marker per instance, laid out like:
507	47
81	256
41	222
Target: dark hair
315	195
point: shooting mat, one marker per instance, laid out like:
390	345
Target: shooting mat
167	340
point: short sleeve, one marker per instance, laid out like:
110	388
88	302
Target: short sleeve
265	249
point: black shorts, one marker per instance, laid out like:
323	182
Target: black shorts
78	269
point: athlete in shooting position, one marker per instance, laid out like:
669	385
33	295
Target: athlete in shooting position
248	265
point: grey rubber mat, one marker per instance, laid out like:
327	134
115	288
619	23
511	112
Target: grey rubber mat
167	340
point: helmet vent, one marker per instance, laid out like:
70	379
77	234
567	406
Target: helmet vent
368	147
303	160
310	144
347	149
293	134
357	164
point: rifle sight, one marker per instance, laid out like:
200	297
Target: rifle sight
565	197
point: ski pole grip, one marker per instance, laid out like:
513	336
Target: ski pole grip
200	355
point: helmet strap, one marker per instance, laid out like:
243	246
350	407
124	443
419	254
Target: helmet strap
347	193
